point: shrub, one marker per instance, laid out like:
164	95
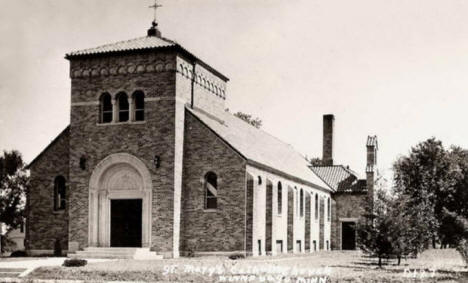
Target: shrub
462	248
18	254
74	262
190	253
236	256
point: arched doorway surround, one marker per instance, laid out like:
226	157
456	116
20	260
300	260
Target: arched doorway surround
118	176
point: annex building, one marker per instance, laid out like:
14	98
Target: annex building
152	160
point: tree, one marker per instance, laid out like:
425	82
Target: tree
374	227
316	161
256	122
13	184
427	176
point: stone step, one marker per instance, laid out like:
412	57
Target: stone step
85	255
11	272
11	269
106	252
114	250
117	253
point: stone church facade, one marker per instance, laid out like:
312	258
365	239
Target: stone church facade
151	159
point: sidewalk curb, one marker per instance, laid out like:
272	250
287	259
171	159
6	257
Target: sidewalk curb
32	280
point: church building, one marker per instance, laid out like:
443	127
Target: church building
151	160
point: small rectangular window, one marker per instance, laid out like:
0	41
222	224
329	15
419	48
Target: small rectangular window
279	246
299	245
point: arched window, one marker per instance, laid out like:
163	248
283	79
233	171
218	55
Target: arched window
211	191
328	209
280	198
316	207
302	202
105	108
59	193
122	100
139	105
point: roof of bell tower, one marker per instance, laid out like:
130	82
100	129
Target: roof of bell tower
140	43
146	43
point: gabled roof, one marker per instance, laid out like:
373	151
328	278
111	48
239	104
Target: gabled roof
340	178
64	132
140	43
259	147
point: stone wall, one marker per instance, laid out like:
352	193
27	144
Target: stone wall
44	225
207	90
348	206
221	229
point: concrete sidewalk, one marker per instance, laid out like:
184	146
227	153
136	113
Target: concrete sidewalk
32	263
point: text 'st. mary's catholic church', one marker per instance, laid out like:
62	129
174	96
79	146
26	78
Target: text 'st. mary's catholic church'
151	160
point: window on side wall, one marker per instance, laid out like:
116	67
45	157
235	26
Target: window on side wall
211	191
280	198
105	108
59	193
139	105
122	100
316	207
302	202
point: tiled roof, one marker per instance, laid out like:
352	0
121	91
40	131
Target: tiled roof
340	178
260	147
141	43
138	44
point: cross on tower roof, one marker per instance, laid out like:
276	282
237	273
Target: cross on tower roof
153	31
155	6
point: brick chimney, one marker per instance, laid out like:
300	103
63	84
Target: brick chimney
371	166
327	153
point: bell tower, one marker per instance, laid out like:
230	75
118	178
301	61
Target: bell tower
128	99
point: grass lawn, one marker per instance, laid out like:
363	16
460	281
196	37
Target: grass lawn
431	266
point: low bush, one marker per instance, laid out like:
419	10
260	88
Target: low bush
236	256
463	250
18	254
74	262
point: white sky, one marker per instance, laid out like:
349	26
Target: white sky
397	69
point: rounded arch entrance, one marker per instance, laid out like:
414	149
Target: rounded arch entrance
118	176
